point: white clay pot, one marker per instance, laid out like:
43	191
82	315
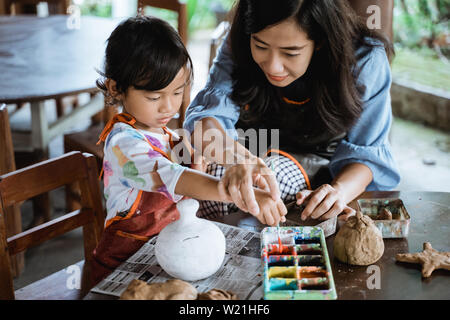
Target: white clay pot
190	248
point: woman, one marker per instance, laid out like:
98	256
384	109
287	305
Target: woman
313	70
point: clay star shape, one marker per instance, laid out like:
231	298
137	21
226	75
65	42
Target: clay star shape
430	259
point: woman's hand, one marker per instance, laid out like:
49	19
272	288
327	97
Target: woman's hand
199	163
325	202
239	179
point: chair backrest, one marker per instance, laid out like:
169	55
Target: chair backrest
23	6
180	8
173	5
7	164
42	177
386	13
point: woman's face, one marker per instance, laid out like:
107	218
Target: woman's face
282	51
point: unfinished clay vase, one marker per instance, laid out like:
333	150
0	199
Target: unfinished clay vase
359	241
190	248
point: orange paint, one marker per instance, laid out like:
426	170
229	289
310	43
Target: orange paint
280	245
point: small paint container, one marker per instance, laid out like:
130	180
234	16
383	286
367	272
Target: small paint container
398	227
300	268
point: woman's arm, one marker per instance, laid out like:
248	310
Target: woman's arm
330	200
363	160
243	168
352	181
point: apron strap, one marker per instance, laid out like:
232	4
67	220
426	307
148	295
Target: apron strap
287	155
130	212
130	120
120	117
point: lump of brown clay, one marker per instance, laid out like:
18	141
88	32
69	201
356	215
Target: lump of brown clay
359	241
384	214
217	294
170	290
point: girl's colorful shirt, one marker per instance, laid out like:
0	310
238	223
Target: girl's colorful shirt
130	164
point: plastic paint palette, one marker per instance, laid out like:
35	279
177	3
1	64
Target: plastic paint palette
300	269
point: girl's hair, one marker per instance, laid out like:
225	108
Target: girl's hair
334	27
145	53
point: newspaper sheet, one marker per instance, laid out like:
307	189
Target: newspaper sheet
241	271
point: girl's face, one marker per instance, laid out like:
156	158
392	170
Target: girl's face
282	51
154	109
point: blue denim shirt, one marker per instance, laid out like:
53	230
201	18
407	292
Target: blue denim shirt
366	142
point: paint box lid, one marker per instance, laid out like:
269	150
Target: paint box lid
398	227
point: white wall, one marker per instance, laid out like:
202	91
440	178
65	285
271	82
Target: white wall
124	8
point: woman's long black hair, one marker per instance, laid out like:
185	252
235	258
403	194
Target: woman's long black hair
332	25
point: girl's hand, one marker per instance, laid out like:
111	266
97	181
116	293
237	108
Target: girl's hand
271	212
238	182
325	202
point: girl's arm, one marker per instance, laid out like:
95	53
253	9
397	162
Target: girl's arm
243	168
201	186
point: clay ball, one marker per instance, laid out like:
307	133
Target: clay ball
359	241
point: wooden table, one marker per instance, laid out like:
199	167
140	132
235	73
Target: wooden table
41	59
430	221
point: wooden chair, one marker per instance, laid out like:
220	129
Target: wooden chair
85	141
29	6
172	5
181	9
386	13
23	184
13	221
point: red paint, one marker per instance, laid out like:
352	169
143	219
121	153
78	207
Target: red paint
280	245
274	249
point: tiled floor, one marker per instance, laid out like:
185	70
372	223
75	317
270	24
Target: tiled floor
423	156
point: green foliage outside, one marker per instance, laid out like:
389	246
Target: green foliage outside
422	42
99	8
422	23
201	13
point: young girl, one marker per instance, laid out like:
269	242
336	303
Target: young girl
147	69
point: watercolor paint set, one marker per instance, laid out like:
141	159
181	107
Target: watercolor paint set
296	264
395	227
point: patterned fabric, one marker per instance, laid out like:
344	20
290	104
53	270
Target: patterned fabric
289	177
130	164
212	209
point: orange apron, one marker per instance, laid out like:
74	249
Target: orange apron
126	233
